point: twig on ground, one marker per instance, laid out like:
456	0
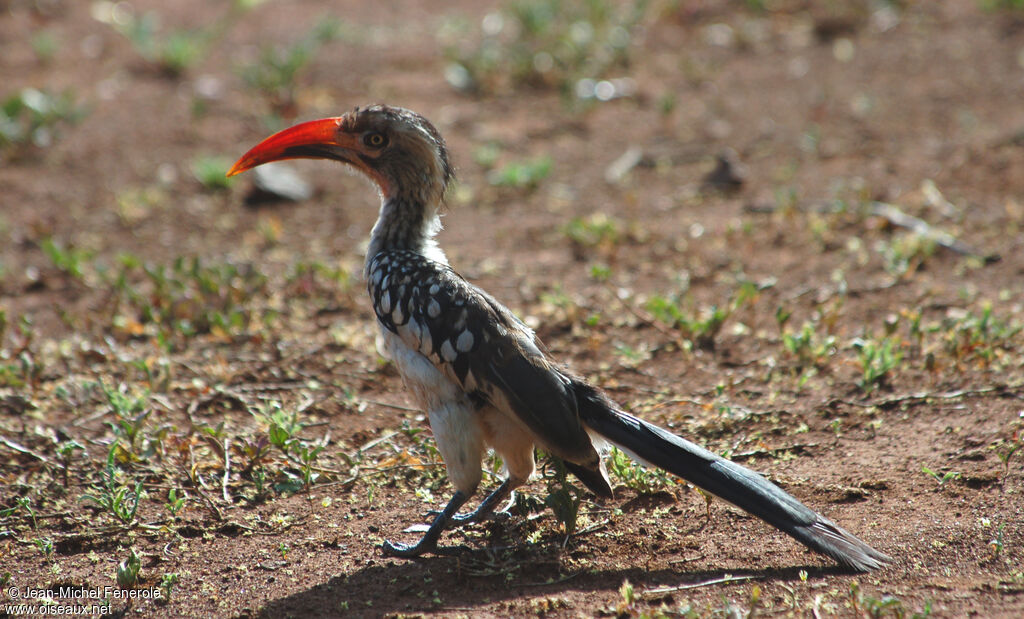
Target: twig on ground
895	216
1013	388
227	471
727	579
21	449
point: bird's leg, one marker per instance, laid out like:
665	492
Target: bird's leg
428	543
487	508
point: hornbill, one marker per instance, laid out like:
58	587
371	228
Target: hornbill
481	375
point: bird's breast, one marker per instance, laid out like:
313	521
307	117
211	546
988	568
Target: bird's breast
428	307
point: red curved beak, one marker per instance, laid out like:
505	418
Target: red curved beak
315	139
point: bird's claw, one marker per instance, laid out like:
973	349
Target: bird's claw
406	551
475	517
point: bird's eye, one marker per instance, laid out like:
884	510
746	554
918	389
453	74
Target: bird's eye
375	140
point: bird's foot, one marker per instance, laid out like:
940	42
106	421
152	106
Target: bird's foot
407	551
476	516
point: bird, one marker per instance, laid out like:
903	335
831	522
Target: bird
480	373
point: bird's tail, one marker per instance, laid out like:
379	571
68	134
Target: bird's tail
737	484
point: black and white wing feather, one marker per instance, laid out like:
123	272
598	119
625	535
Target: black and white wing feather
481	345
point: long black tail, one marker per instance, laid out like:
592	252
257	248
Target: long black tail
723	478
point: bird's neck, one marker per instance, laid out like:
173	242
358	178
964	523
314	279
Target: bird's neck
408	224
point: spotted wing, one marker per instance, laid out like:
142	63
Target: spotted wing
481	345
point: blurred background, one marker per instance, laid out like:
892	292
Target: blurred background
713	208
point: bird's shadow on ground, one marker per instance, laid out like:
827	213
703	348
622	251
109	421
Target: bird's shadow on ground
454	583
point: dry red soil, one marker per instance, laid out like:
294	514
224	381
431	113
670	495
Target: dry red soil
831	109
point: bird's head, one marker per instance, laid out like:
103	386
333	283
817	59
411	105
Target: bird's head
398	149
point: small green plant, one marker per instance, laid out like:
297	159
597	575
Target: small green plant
25	367
595	230
66	450
174	502
187	297
905	253
600	273
808	347
131	410
167	583
627	604
35	117
563	497
253	452
643	480
276	73
1005	450
282	426
45	546
996	544
68	259
1002	5
865	605
113	496
423	444
526	175
282	432
309	279
878	359
178	50
699	327
979	336
24	503
212	172
700	330
45	45
941	479
545	44
128	570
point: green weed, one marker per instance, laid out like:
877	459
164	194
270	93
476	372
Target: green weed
699	327
905	253
275	74
113	496
45	546
282	432
67	259
563	497
44	45
811	349
131	410
20	365
594	230
174	503
128	570
643	480
974	336
1002	5
310	279
36	117
878	360
865	605
212	172
1005	450
545	44
175	52
941	479
187	298
526	175
167	584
